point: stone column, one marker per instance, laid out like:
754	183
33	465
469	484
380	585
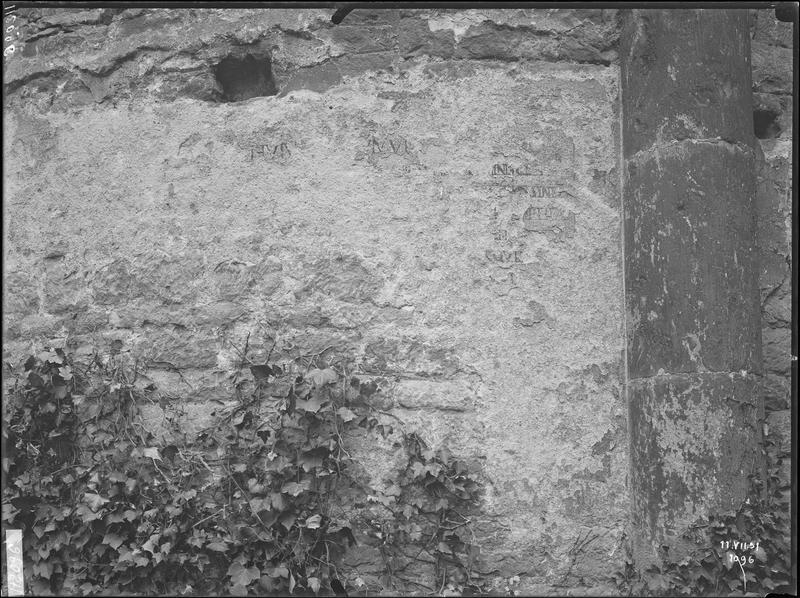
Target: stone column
691	285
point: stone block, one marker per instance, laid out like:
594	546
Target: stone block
20	295
780	429
234	280
65	288
690	268
776	392
354	65
425	395
776	311
690	74
342	277
777	347
316	78
414	36
388	355
360	39
694	441
178	347
67	18
772	68
767	29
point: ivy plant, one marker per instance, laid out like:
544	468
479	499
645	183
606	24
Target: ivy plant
250	505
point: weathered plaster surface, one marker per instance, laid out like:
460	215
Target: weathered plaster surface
424	199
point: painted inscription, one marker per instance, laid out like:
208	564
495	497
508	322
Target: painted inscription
549	219
379	148
271	151
384	147
511	170
503	256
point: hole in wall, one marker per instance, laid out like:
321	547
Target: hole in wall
242	78
765	124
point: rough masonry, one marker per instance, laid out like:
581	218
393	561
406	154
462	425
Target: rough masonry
433	199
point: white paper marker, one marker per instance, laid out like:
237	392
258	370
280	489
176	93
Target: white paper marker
14	578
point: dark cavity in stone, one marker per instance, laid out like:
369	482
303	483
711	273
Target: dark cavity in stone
244	78
765	124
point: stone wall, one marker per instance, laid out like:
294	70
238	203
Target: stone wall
773	85
427	197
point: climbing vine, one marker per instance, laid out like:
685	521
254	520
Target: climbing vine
266	500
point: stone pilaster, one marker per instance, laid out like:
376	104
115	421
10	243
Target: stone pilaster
691	278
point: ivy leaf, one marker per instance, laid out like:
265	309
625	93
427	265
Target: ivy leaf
346	414
86	514
150	545
320	378
217	546
151	452
259	504
35	380
113	540
43	569
418	469
117	477
261	372
291	583
241	575
760	554
287	520
393	490
313	522
728	559
313	404
278	502
279	572
95	501
314	458
294	489
50	356
313	583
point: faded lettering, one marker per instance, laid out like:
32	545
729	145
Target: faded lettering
277	151
550	219
510	170
500	235
536	190
503	256
394	144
